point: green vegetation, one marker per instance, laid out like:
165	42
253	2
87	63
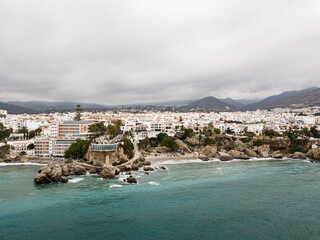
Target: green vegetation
128	147
114	129
4	150
98	128
120	162
78	113
77	150
4	134
217	131
258	143
270	132
209	141
170	143
31	146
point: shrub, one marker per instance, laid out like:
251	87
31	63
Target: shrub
258	143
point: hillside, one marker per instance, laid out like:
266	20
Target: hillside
232	102
14	109
209	104
306	97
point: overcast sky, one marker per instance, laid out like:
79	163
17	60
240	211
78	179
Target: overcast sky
132	51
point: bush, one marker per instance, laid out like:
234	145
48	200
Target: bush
245	140
217	131
170	143
120	162
258	143
77	150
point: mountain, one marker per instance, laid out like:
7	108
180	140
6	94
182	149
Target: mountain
305	97
232	102
209	104
42	106
14	109
173	103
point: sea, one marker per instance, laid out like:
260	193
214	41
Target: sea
254	199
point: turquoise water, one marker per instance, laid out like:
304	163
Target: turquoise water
208	200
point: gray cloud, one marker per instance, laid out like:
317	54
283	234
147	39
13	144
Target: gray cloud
116	52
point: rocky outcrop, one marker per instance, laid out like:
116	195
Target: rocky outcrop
224	156
250	153
208	151
224	142
63	179
299	155
131	179
277	154
148	169
108	172
50	173
239	145
182	146
314	153
237	154
263	151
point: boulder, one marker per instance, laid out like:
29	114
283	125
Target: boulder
250	153
71	169
209	151
238	155
148	169
55	174
65	170
299	155
42	179
224	156
277	154
63	179
263	150
314	153
79	170
239	145
163	168
134	167
131	179
204	158
108	172
147	163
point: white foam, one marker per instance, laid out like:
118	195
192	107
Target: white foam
91	174
75	180
154	183
115	186
25	163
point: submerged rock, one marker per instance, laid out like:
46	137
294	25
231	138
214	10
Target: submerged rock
42	179
148	169
64	179
131	179
108	172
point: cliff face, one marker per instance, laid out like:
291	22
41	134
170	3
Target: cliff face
105	158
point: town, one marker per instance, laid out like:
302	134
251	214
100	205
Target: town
49	135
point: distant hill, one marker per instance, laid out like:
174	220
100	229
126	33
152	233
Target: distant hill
209	104
14	109
42	106
232	102
305	97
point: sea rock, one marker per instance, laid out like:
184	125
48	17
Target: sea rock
108	172
277	154
147	163
131	179
299	155
64	179
42	179
79	170
163	168
65	170
238	155
134	167
148	169
314	153
249	152
204	158
224	156
209	151
263	150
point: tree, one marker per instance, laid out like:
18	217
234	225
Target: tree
315	133
217	131
30	146
170	143
128	148
77	150
78	113
98	128
161	136
1	126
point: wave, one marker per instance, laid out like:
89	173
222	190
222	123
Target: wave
91	174
75	180
115	186
154	183
25	163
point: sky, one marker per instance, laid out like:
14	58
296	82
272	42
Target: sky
125	51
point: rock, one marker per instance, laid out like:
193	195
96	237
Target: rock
163	168
209	151
71	169
299	155
250	153
79	170
93	171
314	153
148	169
108	172
42	179
146	173
263	150
224	156
204	158
131	179
135	167
277	154
128	173
238	155
117	171
64	179
65	170
141	159
40	170
182	146
147	163
55	174
239	145
128	168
